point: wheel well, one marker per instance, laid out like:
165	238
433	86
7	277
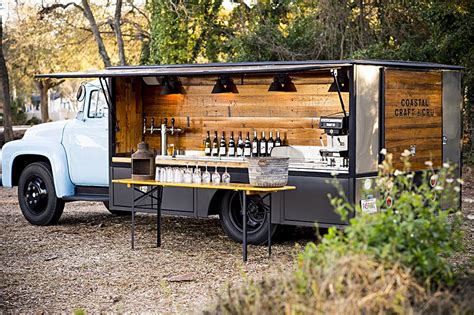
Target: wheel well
215	203
22	161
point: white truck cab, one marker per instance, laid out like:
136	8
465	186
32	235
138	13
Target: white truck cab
61	161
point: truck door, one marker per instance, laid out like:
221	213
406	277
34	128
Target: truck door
86	142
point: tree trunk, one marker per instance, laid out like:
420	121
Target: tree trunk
43	87
95	30
5	92
118	32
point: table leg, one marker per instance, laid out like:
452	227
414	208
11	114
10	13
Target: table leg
133	216
158	216
244	226
270	226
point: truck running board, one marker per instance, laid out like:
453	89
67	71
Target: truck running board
87	197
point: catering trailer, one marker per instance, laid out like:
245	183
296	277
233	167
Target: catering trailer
331	118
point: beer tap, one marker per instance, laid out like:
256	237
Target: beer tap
173	129
152	125
144	125
164	131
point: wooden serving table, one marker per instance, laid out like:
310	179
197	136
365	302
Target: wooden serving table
157	187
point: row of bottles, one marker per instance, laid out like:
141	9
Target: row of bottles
242	148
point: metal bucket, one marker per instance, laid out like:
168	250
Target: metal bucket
268	171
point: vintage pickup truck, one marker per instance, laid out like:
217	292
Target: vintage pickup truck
61	161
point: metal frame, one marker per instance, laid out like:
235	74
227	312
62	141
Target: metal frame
352	175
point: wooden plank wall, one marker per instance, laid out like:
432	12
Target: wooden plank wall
413	115
129	111
295	115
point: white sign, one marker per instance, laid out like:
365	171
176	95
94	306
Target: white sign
369	205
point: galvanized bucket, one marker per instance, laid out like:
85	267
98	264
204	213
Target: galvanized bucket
268	171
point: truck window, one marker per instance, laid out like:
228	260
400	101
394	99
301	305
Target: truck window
97	105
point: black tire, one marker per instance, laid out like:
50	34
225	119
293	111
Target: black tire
116	212
37	195
231	218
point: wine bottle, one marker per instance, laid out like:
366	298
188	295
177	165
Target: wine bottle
240	145
215	145
222	146
255	145
207	145
263	145
270	144
247	146
231	144
278	140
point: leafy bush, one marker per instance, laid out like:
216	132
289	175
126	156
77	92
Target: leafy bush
414	231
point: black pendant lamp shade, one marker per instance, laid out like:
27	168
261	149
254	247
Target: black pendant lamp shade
224	84
276	85
282	83
218	87
171	85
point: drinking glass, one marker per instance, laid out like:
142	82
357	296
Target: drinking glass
197	175
178	175
226	177
169	175
188	175
157	174
163	175
216	177
170	149
206	176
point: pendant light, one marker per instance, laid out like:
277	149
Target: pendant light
276	85
171	85
218	87
224	84
282	83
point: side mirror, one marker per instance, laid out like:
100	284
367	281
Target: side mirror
81	93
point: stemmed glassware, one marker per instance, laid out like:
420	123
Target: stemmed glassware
188	175
197	175
226	177
216	177
206	176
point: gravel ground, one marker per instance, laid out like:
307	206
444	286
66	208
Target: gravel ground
86	262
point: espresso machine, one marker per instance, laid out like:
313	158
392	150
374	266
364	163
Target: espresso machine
335	153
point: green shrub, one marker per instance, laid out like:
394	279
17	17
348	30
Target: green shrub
414	231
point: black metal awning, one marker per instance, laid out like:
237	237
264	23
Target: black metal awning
237	68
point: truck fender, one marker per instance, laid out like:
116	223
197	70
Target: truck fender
52	151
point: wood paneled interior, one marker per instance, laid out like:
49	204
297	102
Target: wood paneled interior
295	115
128	111
412	126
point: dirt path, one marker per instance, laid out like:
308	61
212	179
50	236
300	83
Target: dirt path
85	262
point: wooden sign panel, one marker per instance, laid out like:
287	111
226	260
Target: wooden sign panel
413	116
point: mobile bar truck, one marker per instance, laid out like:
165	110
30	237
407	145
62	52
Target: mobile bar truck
330	118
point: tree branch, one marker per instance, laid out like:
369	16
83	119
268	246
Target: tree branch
49	9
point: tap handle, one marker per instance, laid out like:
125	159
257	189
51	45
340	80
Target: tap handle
144	125
172	122
166	121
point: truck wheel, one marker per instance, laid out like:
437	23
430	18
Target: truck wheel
37	196
116	212
230	215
